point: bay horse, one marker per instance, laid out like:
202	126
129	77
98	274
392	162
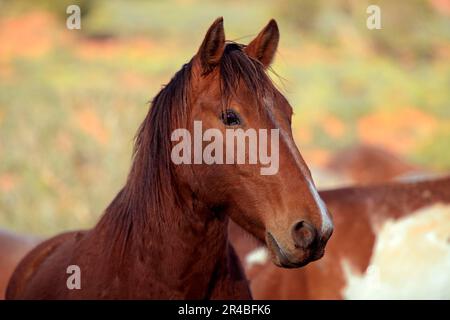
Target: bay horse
13	247
358	213
164	236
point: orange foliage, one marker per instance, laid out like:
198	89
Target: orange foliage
64	142
134	47
8	182
131	79
316	157
30	35
443	6
333	126
398	131
94	49
89	122
302	135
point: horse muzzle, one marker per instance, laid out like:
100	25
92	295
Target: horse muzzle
306	246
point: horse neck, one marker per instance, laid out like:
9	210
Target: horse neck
179	255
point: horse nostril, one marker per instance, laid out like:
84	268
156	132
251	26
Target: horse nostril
303	234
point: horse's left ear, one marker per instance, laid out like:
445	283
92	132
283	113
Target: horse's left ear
213	45
264	46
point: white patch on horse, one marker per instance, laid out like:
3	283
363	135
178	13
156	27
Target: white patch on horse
257	256
413	247
327	224
376	221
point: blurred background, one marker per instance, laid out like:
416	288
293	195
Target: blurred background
72	100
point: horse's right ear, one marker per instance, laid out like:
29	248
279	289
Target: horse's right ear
212	47
264	46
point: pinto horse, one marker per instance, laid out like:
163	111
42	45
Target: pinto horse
367	164
164	236
358	213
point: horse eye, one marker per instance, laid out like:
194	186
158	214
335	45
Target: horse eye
230	118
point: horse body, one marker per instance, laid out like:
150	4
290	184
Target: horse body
13	247
358	213
164	236
185	268
366	164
